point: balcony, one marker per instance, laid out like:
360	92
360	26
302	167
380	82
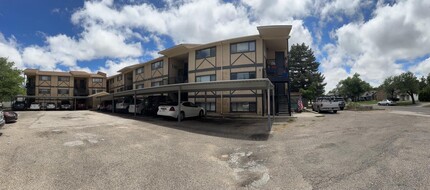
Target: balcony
80	92
178	79
276	72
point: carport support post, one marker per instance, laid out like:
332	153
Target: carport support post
273	104
113	106
179	104
268	109
135	103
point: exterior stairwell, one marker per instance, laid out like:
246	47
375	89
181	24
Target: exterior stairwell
282	105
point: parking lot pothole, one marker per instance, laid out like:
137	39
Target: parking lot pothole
248	170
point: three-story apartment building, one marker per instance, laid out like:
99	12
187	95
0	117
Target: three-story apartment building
53	86
256	56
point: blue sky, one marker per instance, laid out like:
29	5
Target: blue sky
376	39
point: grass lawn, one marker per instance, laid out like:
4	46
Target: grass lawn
368	102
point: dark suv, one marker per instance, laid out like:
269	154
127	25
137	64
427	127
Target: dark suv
18	106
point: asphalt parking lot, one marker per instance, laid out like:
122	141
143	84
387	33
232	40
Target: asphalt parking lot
92	150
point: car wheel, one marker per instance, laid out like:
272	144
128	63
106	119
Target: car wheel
201	114
181	116
318	109
342	108
334	111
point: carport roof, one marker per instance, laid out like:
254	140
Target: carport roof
226	85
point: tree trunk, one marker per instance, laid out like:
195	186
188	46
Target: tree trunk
412	97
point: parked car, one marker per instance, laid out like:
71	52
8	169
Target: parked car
122	104
18	106
10	116
51	106
65	105
2	121
387	103
43	106
138	108
188	109
325	104
341	102
34	106
151	104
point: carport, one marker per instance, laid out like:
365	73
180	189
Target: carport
247	84
53	98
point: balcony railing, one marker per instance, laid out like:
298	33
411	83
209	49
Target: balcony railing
178	79
274	72
80	92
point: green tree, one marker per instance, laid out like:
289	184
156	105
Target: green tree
423	83
409	84
10	80
353	87
304	74
390	85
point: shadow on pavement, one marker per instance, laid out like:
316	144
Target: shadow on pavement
235	128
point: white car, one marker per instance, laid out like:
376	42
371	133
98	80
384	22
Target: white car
34	106
122	104
139	107
51	106
386	103
188	109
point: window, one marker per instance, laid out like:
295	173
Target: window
206	78
63	78
63	91
243	106
44	91
158	83
243	75
157	65
242	47
204	53
209	106
45	78
119	78
139	70
140	86
97	80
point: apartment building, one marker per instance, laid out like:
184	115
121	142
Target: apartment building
54	86
256	56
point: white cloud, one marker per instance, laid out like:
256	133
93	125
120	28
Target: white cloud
38	57
396	32
9	49
422	68
112	66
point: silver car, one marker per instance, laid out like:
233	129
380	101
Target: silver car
386	103
34	106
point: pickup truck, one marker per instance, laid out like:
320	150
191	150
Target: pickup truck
325	104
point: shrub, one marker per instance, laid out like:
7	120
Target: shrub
424	95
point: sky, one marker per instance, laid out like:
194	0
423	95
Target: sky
375	39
